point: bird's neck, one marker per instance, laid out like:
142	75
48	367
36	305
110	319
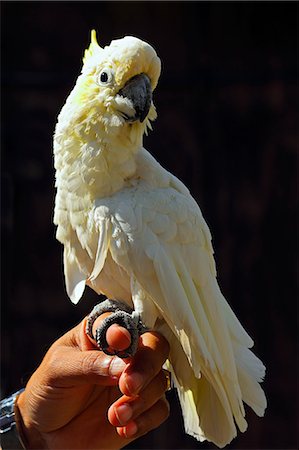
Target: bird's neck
89	166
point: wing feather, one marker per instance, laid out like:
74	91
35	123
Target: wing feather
161	241
74	278
102	249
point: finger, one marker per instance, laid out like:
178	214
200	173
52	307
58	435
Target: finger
127	408
147	421
118	338
67	366
152	353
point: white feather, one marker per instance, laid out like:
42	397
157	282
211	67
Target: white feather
132	231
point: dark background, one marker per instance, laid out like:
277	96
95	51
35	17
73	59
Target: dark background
226	106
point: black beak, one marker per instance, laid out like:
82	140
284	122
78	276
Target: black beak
138	89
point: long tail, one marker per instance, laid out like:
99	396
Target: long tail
214	370
207	402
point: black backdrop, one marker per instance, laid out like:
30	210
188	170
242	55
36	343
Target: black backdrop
226	106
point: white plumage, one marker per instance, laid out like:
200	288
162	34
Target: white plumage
132	231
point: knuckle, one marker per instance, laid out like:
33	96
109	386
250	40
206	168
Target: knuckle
89	364
141	404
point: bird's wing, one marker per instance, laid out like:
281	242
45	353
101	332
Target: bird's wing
159	237
85	251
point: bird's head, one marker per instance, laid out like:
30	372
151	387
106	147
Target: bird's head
115	87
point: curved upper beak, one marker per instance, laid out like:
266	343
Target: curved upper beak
139	91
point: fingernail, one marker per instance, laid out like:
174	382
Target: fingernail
131	429
116	367
123	413
134	383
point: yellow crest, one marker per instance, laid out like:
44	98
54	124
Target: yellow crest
93	47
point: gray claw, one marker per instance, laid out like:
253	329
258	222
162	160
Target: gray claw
122	315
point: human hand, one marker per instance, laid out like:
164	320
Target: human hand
80	398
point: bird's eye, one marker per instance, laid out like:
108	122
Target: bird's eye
105	77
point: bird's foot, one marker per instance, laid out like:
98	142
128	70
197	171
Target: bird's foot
122	315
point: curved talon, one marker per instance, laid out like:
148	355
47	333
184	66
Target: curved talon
121	315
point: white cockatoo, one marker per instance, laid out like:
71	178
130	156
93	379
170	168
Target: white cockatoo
132	231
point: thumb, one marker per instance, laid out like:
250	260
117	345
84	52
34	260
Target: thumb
74	360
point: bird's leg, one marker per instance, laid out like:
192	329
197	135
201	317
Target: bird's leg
122	315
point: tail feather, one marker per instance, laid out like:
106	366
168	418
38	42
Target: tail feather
205	405
251	372
214	425
209	404
214	371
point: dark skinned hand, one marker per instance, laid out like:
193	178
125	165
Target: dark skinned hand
80	398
